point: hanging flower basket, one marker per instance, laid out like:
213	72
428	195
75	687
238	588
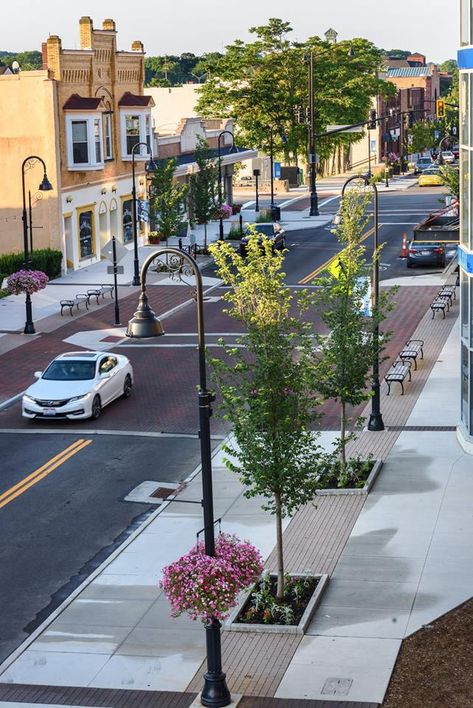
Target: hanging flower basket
222	211
26	281
207	587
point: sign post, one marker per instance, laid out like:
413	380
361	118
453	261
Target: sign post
115	281
115	252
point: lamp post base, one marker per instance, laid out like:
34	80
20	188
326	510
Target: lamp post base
376	422
314	205
215	693
29	328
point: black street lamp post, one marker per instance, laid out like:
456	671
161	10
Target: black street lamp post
45	186
376	419
145	324
314	199
151	167
220	190
256	174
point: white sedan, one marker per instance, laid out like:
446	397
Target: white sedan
78	385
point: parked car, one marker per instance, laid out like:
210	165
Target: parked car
447	157
422	164
425	253
272	231
78	385
456	151
430	177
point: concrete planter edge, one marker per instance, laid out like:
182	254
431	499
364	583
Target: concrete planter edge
376	469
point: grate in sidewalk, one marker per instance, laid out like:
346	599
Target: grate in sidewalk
420	428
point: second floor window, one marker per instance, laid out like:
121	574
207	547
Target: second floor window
84	141
132	132
108	137
136	127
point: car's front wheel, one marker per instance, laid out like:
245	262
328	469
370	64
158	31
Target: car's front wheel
127	387
96	408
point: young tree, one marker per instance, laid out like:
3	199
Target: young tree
345	355
451	178
167	199
203	186
266	386
422	135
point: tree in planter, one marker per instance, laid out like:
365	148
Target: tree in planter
451	178
203	186
266	386
345	355
167	199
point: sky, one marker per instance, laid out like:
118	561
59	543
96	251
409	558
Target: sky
428	26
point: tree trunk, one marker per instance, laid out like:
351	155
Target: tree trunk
343	456
279	548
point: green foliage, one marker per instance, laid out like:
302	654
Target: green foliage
266	385
203	186
173	70
264	217
423	136
167	200
345	355
264	83
27	60
45	259
396	53
451	178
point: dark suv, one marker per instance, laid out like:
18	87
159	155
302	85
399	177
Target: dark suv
272	231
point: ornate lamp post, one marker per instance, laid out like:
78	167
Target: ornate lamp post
376	419
145	324
45	186
151	167
220	190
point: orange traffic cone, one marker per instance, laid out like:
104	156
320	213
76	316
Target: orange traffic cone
404	246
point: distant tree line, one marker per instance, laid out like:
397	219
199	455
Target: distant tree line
173	70
27	60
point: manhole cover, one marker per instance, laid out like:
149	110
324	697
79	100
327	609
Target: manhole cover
337	686
162	493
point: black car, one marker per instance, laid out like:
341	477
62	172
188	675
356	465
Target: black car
272	231
425	253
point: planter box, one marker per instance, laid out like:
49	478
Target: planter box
231	625
376	469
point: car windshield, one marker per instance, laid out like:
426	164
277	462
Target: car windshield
71	370
431	171
424	161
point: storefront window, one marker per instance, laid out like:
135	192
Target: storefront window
465	195
465	15
86	233
464	109
465	386
127	220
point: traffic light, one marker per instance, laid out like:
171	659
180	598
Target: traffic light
372	123
440	108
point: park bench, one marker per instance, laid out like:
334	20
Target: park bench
411	350
448	292
440	304
70	302
101	291
398	372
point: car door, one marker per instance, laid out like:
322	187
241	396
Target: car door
109	381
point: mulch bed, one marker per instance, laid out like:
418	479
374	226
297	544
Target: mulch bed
434	668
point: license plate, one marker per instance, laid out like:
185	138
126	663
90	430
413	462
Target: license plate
425	253
49	411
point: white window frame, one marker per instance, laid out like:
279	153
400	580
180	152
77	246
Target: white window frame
144	115
108	124
89	118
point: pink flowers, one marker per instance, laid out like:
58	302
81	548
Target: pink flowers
26	281
205	586
223	211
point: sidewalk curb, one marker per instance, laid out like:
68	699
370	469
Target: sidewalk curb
59	610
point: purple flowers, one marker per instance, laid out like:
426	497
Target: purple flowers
223	211
26	281
205	586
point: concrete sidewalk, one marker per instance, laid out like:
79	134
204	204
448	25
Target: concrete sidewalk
404	558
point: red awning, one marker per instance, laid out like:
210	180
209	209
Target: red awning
82	103
132	100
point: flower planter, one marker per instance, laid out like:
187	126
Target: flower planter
375	470
231	624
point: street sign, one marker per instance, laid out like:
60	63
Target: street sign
277	170
346	129
107	251
120	270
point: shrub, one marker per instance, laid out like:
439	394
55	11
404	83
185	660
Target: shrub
264	217
234	233
45	259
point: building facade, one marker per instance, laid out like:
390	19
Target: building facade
465	63
90	113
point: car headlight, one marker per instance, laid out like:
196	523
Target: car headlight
79	398
29	399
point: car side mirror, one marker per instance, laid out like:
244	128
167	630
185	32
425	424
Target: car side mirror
105	375
37	374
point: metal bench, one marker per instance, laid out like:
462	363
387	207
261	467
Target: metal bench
411	350
398	372
100	291
448	293
106	289
439	305
80	297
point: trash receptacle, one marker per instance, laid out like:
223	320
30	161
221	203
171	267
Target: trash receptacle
276	213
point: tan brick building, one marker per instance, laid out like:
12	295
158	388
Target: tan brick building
82	114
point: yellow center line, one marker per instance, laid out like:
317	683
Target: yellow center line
329	262
42	472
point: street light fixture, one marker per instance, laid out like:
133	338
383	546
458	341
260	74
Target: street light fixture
45	186
220	191
150	167
145	324
375	422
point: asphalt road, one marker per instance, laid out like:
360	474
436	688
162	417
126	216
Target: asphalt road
58	529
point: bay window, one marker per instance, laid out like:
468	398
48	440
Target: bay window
136	128
84	141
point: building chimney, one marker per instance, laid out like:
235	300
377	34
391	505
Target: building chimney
137	46
86	28
44	54
109	24
53	56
